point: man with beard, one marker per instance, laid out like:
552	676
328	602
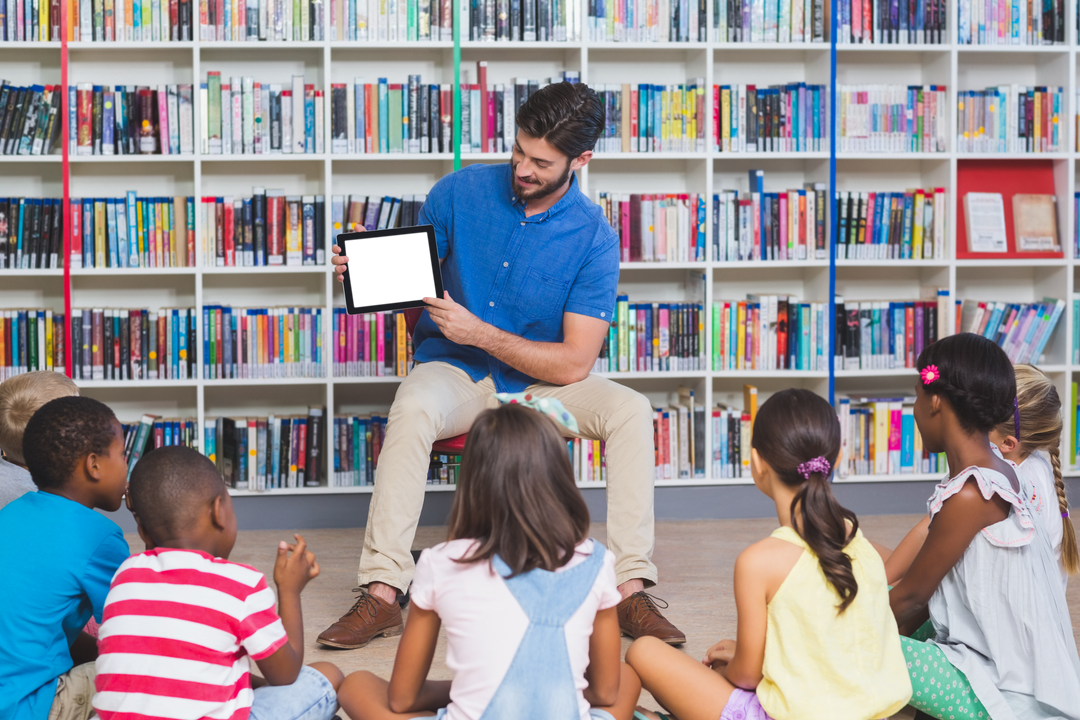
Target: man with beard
530	268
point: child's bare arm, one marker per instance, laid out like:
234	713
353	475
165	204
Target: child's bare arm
410	690
294	568
745	659
605	647
899	561
954	527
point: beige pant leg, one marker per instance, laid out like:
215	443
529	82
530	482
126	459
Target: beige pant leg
622	418
74	691
436	400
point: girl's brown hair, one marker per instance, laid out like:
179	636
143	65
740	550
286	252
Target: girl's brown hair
1040	429
516	494
793	427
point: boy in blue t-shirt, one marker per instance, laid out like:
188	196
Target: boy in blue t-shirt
67	555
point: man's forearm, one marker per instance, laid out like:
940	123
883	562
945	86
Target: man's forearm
557	363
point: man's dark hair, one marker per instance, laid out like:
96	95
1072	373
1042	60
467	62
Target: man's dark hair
567	115
62	433
169	487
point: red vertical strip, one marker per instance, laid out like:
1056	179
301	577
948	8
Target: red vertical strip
65	171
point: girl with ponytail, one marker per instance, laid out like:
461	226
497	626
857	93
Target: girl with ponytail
814	581
1001	643
1032	440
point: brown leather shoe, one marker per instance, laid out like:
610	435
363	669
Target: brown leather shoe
639	616
368	618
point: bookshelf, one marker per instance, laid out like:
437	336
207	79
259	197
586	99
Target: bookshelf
958	67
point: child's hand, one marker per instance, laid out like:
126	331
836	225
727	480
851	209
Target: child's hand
719	654
292	572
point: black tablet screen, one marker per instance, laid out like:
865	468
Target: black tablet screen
389	270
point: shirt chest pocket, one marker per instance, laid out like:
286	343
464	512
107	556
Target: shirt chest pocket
543	295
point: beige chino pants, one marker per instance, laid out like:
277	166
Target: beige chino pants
437	400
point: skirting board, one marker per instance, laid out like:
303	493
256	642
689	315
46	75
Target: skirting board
290	512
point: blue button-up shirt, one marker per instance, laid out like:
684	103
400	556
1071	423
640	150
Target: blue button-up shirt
517	273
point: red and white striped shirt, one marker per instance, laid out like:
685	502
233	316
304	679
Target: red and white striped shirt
179	631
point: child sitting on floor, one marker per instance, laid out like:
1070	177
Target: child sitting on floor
66	555
815	635
986	574
528	600
20	398
182	623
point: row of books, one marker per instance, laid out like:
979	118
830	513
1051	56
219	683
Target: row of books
777	118
129	344
1011	22
524	20
31	339
357	212
153	432
253	20
1010	119
891	225
1021	329
891	23
254	343
769	332
31	233
1076	333
879	436
679	437
133	232
1074	410
30	119
130	120
264	453
769	21
357	442
654	337
758	225
652	21
893	118
657	228
371	344
730	428
883	335
243	117
489	112
409	20
129	21
269	228
387	117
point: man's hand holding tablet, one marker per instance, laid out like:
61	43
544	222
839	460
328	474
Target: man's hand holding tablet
391	269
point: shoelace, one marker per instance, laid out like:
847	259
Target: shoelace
650	602
366	600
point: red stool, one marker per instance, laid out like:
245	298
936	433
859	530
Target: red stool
445	446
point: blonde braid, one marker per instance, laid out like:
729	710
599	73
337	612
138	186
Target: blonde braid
1070	557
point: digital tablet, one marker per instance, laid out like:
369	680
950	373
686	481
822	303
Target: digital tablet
390	269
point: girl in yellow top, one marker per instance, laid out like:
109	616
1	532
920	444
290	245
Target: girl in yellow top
816	636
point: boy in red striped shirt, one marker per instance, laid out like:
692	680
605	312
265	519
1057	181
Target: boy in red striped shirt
182	623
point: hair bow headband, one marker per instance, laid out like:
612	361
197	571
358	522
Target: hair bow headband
545	405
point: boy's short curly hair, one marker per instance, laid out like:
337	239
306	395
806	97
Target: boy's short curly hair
63	432
169	487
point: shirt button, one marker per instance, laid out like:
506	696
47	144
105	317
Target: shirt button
506	264
522	222
491	304
603	314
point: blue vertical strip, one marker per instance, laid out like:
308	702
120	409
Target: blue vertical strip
832	202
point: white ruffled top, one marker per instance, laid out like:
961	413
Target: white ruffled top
1000	615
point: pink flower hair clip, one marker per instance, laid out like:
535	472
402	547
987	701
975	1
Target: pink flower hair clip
929	374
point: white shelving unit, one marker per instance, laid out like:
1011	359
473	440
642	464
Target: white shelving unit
957	67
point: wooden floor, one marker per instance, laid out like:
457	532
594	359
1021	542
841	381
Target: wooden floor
695	559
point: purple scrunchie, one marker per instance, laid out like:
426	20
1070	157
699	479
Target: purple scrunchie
818	464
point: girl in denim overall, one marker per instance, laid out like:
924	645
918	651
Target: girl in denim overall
526	597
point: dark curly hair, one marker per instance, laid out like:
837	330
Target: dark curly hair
61	433
569	116
975	378
792	427
169	487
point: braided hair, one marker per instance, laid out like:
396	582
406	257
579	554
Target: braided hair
974	376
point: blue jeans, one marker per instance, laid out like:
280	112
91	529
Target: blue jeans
311	697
